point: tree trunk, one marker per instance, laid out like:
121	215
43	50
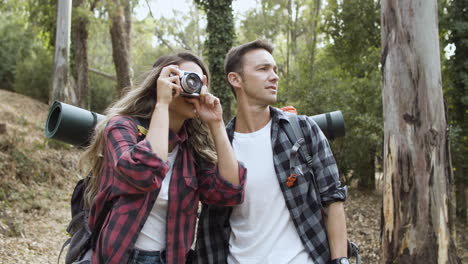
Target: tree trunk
61	90
417	176
315	15
221	34
366	171
80	51
288	43
120	31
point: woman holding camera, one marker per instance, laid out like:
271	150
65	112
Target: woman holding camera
160	149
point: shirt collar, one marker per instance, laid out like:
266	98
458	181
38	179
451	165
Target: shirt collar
276	116
176	138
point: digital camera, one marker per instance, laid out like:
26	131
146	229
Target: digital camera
191	83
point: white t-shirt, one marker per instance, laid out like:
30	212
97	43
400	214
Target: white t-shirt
262	228
153	234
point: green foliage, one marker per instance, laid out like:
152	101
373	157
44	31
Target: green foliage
182	31
24	51
341	73
353	27
34	74
456	90
16	39
43	15
334	88
26	168
344	75
266	22
102	93
221	35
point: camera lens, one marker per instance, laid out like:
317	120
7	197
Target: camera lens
191	83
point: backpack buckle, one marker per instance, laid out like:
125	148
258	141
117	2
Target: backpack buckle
291	179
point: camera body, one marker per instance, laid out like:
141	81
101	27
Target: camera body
191	83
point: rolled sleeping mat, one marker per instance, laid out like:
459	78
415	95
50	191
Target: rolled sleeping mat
71	124
74	125
331	124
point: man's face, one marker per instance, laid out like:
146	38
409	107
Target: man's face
259	77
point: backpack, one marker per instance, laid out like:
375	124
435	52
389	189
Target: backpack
82	238
297	136
78	229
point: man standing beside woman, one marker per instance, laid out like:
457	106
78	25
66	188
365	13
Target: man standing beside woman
277	222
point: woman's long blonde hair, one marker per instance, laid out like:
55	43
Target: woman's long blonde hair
140	102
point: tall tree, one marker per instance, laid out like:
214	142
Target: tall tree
314	18
79	67
61	90
120	14
417	170
220	29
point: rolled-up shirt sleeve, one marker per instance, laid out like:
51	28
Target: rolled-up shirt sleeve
135	162
215	189
325	168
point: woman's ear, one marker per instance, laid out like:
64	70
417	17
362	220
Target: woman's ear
234	79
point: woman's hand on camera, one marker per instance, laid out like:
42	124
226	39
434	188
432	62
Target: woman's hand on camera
208	106
168	85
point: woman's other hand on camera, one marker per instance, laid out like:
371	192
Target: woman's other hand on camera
168	85
208	106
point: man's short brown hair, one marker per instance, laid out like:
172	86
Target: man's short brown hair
234	58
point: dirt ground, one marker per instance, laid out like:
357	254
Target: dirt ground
37	177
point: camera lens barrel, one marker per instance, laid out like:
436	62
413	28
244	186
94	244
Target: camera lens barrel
331	124
191	82
70	124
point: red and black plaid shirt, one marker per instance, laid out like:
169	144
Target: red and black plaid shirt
130	181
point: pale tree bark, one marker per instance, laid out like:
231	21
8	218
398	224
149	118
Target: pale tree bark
120	30
61	89
417	171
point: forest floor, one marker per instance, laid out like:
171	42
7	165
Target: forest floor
37	177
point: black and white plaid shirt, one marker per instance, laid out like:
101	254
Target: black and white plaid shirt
214	228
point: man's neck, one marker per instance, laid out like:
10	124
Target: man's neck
251	118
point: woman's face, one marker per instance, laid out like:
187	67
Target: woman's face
180	107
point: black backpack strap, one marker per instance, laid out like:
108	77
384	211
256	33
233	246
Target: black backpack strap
65	244
296	127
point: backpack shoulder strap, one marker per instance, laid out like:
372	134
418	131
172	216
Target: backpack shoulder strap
65	244
297	136
295	128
